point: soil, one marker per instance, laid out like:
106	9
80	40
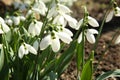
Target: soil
111	59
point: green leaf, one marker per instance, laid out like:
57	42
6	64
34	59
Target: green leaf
114	73
1	58
65	58
79	55
88	68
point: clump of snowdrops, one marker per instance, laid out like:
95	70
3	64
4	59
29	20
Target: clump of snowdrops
35	43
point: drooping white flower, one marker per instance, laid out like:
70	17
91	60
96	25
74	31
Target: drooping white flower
25	49
54	40
117	41
117	13
39	7
62	14
89	35
114	12
3	26
9	21
48	40
35	28
91	21
16	20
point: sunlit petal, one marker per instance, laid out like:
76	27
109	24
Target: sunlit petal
71	21
64	9
55	44
90	38
109	16
92	31
59	20
31	49
45	42
65	30
5	28
92	22
80	38
79	24
64	37
21	51
16	20
117	41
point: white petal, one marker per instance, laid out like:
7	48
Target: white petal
117	41
64	37
31	29
109	16
36	45
92	22
38	27
59	20
64	9
9	22
45	42
31	49
79	24
117	13
71	21
1	20
80	38
39	7
90	38
65	30
1	46
16	20
55	44
35	28
1	32
5	28
92	31
21	51
22	18
52	12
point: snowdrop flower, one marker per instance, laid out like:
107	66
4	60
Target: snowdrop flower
91	21
113	12
35	28
3	27
62	12
89	35
1	46
39	7
54	38
9	21
25	49
117	41
16	20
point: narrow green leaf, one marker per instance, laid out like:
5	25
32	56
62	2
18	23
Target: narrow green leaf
1	58
65	58
114	73
87	71
79	55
